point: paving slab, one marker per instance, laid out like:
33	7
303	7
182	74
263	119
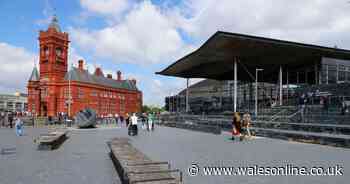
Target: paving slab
83	158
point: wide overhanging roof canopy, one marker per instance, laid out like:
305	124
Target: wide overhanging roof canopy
215	58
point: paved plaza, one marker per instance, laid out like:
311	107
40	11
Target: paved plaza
83	158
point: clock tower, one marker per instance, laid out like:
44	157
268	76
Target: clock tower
53	53
53	61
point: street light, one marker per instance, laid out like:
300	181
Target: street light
256	90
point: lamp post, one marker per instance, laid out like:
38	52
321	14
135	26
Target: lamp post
256	90
70	99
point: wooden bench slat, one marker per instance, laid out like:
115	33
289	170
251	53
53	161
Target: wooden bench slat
135	167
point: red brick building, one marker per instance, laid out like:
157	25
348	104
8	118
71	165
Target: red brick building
50	89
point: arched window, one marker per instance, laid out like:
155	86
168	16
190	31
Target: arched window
46	51
59	52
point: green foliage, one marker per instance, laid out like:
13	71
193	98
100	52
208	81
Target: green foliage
154	109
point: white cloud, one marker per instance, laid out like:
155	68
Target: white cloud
146	36
16	66
106	7
73	57
146	33
47	12
314	21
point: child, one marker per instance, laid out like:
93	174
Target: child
19	127
246	125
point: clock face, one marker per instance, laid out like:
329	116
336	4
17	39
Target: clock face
58	51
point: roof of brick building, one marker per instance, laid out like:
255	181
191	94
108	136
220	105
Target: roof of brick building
76	74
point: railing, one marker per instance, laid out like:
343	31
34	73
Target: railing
275	116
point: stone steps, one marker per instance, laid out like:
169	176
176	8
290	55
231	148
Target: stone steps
325	131
306	137
306	127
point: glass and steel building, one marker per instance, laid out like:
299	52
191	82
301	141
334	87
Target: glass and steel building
13	103
335	71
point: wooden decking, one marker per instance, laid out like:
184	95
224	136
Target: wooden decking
135	167
51	140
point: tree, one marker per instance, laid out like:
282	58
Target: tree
153	109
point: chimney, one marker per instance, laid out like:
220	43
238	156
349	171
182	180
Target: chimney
98	71
133	81
119	75
81	64
109	76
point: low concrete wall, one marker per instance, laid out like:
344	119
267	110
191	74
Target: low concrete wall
194	127
325	134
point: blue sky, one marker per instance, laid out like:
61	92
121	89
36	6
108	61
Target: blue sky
142	37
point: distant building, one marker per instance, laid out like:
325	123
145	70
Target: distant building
55	89
13	103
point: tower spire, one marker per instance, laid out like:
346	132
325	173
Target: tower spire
35	63
35	75
54	23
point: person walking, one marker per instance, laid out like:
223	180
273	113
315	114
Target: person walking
133	130
116	117
10	119
127	119
302	102
326	104
2	118
143	121
121	119
150	122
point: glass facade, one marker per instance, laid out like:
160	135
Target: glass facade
335	71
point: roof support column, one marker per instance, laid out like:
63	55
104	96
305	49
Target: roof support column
306	76
281	83
235	85
316	74
327	75
287	86
298	78
187	95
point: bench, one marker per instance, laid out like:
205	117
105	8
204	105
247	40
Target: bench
51	140
135	167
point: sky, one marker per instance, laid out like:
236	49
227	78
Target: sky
141	37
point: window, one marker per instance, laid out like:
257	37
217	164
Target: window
46	51
341	73
44	92
33	108
58	52
65	92
80	93
122	103
332	73
93	93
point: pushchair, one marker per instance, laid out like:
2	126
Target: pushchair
132	130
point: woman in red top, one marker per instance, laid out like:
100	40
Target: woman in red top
236	125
